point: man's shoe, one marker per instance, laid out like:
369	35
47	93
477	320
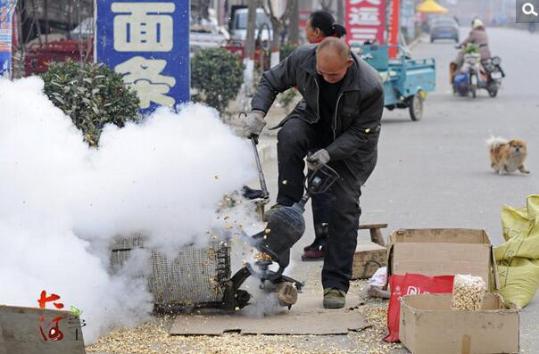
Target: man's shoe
314	254
334	298
317	243
310	247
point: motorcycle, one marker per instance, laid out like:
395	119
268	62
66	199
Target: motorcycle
476	74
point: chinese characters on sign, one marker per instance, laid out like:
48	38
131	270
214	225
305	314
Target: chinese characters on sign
148	43
53	333
143	27
7	8
365	21
145	76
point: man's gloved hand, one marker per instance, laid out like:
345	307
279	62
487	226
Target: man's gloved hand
318	158
254	123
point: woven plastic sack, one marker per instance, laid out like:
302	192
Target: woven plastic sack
517	258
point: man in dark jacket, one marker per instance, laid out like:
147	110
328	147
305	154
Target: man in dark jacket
339	122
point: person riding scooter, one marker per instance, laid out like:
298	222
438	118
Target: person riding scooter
477	36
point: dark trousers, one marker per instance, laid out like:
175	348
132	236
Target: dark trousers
295	139
321	206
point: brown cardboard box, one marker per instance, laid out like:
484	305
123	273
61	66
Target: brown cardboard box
20	331
428	325
442	252
367	259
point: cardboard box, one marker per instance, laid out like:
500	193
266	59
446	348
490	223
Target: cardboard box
20	331
429	325
442	252
367	259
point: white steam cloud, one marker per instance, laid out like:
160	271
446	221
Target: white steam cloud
62	202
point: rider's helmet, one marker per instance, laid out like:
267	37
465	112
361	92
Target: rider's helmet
476	23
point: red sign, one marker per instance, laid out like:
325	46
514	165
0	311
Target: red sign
394	26
365	20
303	17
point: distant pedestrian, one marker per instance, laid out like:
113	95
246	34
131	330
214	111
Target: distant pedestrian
320	25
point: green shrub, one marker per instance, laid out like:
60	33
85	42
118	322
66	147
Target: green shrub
217	76
286	49
92	95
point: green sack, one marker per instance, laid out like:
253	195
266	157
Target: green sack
517	258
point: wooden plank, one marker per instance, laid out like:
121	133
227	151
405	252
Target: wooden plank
376	234
20	331
367	259
372	226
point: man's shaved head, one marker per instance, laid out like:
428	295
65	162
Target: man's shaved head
334	46
333	59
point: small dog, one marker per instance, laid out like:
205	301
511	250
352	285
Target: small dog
507	156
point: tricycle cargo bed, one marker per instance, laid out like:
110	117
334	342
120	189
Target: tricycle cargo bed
406	81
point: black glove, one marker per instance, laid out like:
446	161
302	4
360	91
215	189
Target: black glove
254	123
321	157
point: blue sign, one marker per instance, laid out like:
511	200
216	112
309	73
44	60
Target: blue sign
7	8
148	43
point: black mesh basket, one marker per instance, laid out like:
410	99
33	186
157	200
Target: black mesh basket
194	278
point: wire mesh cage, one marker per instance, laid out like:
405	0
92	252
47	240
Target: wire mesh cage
194	278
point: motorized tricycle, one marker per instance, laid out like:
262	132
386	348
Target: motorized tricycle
476	74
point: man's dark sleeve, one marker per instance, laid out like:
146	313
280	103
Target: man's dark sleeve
348	143
276	80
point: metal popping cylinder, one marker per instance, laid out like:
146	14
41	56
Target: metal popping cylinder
285	226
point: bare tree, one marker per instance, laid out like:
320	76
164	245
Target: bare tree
340	12
293	22
204	8
251	29
277	24
327	5
249	54
201	9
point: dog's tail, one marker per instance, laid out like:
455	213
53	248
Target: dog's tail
494	141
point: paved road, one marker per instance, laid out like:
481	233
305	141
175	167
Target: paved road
435	173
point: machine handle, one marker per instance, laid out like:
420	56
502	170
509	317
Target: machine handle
262	179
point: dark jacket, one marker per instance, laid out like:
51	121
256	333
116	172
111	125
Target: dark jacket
356	124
